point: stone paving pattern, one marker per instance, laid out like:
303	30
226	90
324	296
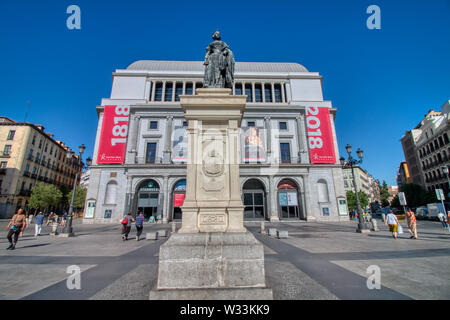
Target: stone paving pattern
318	261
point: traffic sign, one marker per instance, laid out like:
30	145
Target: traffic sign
440	194
401	197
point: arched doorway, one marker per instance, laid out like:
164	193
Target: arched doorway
178	195
148	198
288	203
254	200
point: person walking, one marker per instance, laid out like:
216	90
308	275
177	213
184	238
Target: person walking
64	219
38	224
139	225
392	221
441	217
411	220
126	226
16	226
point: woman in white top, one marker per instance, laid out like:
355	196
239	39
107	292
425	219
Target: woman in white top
392	221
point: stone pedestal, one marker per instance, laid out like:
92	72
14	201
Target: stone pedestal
212	256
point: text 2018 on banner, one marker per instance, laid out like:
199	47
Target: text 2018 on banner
320	137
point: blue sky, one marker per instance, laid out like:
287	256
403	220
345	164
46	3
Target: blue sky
381	81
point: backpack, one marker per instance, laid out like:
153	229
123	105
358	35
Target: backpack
125	220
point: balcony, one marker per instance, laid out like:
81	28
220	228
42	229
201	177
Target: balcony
2	171
26	174
33	175
24	193
4	154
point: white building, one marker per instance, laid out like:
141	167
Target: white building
289	158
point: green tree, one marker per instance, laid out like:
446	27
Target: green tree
351	199
384	194
80	197
44	196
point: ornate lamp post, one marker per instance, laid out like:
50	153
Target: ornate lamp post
445	171
351	163
68	231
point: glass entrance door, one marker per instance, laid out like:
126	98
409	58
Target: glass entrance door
254	204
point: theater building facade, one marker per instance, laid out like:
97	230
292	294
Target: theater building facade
288	148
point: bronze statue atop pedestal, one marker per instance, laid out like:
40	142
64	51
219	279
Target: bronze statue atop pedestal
219	64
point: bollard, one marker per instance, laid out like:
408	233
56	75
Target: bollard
282	234
151	236
54	229
272	232
162	233
174	227
263	228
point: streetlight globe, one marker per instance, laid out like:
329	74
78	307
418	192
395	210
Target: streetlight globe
81	148
359	152
445	169
348	148
89	161
69	154
342	160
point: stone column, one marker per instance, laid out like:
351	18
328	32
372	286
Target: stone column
128	195
174	87
269	138
190	208
273	92
132	139
308	205
283	96
235	208
165	213
301	138
253	92
167	152
273	200
263	93
163	96
153	90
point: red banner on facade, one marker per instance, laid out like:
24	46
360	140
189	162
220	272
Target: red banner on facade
113	138
320	136
178	199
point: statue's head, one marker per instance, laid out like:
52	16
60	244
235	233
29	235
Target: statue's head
216	35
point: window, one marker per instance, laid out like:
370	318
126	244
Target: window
40	144
268	92
169	90
258	93
111	191
198	85
3	164
185	124
151	152
158	91
250	123
285	153
27	168
153	125
189	88
11	134
248	92
277	89
7	150
283	126
178	91
34	140
238	89
322	191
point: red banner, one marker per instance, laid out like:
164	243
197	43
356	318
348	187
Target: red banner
178	199
113	138
320	136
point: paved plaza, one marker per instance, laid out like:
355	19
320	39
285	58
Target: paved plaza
317	261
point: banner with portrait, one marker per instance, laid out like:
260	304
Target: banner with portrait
254	150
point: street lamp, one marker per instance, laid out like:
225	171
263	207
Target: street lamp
351	163
68	231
